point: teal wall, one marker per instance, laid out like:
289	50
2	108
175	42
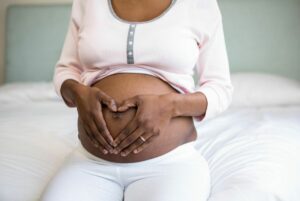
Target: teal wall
261	36
34	38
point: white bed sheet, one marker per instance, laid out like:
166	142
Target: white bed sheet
253	152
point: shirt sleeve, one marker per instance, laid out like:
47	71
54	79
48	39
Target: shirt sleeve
212	68
68	66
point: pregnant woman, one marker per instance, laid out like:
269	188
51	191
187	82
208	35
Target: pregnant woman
128	67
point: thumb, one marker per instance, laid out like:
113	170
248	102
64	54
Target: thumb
108	101
112	105
131	102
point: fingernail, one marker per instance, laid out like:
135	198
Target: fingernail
117	141
114	107
116	151
105	151
114	144
135	151
123	154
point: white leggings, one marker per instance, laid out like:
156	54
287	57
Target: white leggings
178	175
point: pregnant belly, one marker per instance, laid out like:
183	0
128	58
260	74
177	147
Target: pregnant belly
122	86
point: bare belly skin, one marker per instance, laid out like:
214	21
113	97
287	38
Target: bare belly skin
122	86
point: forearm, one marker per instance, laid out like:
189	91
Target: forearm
193	104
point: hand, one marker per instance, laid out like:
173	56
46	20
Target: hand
88	102
154	113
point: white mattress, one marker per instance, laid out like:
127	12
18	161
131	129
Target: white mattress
253	151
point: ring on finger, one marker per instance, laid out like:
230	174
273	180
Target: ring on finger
142	138
149	140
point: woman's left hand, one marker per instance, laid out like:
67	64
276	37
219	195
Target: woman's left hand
153	114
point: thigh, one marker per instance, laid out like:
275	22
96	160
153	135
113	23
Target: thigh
80	179
187	179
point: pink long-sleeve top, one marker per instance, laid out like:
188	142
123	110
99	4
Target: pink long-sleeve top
186	38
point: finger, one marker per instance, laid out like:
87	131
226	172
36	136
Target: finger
99	136
126	131
131	102
145	144
92	139
129	139
101	125
107	100
138	142
90	136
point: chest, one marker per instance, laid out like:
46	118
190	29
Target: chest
164	41
139	11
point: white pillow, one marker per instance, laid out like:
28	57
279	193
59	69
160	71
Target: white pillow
24	92
261	89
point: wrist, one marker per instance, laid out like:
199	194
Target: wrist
69	91
171	100
190	104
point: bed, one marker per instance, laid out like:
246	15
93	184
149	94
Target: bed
252	148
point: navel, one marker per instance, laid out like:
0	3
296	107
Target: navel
116	115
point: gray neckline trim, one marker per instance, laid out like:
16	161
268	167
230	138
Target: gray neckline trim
111	10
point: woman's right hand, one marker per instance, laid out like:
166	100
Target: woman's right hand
88	101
